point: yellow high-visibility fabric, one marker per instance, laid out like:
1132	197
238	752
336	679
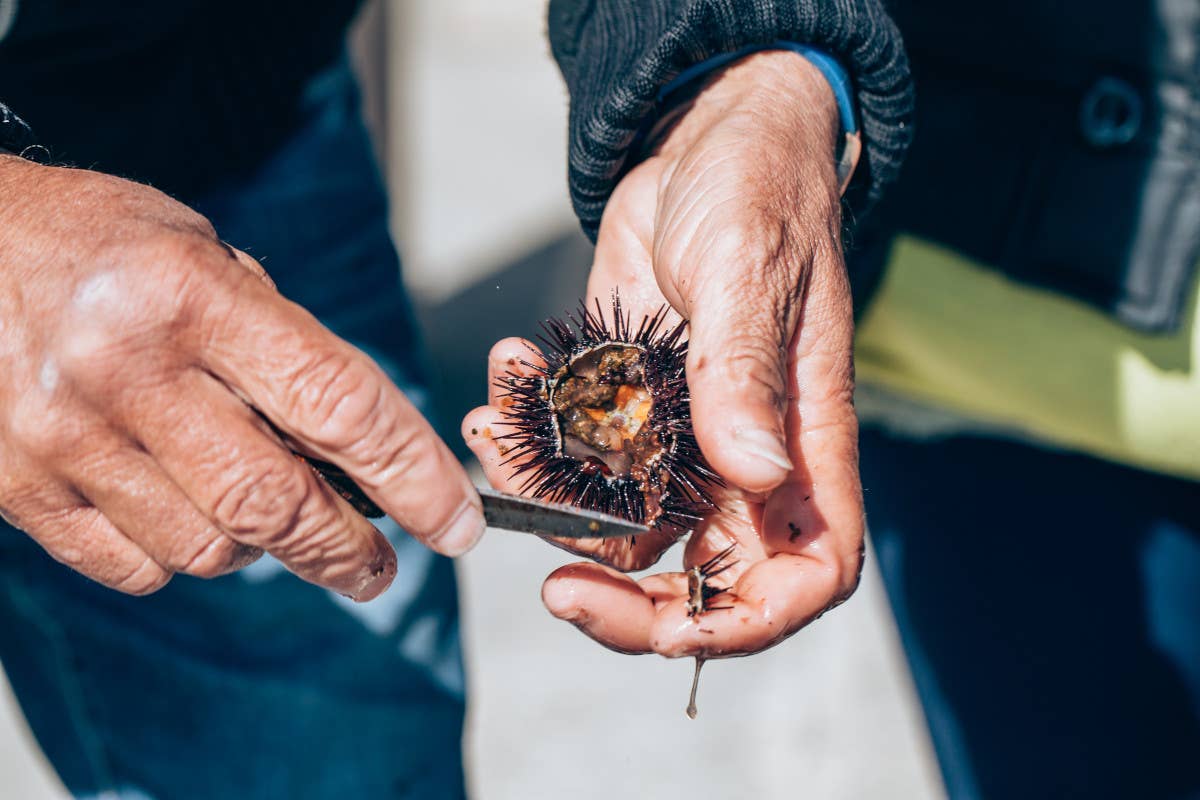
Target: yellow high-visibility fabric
947	332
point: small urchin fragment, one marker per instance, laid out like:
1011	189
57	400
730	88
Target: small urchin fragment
605	423
700	588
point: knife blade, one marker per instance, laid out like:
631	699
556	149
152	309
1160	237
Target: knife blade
512	513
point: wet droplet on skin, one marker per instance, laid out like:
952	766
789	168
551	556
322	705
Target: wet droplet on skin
48	376
97	290
691	709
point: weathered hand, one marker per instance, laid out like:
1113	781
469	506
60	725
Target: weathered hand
136	349
735	222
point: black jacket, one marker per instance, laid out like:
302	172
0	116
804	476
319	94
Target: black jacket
1059	142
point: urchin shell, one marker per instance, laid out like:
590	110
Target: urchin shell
670	491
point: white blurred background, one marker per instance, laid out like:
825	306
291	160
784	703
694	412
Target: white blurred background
471	116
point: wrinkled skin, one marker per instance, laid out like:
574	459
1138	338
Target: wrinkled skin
734	222
132	346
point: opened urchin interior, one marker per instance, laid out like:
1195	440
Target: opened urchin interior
605	423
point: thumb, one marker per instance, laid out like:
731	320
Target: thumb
251	264
737	374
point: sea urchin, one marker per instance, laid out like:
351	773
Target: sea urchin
605	423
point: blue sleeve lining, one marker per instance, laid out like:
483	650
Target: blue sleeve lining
835	74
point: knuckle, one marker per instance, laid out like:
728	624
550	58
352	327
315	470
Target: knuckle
168	269
117	316
88	353
44	434
754	365
262	499
407	451
618	555
636	562
212	556
199	225
70	536
848	577
143	250
146	578
185	248
146	206
161	264
831	383
341	397
9	515
755	244
847	572
765	241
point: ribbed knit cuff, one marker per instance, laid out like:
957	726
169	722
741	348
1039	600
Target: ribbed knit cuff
616	55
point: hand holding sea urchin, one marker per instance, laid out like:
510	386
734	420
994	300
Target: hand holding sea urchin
605	424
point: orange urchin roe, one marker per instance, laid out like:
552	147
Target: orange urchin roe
602	405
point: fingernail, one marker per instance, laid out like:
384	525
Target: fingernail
381	578
763	444
558	596
462	532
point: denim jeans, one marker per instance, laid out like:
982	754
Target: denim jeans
258	685
1049	604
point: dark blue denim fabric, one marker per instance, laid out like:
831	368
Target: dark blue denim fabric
1049	605
259	685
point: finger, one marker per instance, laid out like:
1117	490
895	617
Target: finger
664	586
483	430
79	536
331	397
809	554
737	522
818	512
769	602
819	522
576	592
736	366
125	484
622	260
236	472
810	548
510	357
723	551
775	598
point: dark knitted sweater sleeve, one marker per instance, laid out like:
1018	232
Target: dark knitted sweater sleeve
617	54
